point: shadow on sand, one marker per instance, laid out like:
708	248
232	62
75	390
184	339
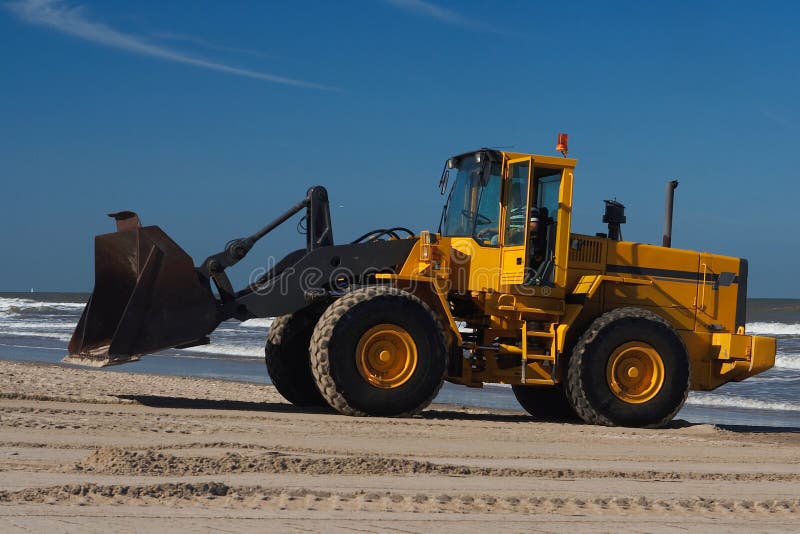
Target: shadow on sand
156	401
432	414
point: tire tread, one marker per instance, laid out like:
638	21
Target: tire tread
320	340
576	392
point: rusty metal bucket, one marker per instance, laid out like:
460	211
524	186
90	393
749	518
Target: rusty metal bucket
147	297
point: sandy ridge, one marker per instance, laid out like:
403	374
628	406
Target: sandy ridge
117	461
222	495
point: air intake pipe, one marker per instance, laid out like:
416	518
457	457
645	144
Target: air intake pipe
671	186
615	218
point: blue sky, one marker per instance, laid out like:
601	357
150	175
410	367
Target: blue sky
211	118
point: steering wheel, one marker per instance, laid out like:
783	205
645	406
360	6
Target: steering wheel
479	219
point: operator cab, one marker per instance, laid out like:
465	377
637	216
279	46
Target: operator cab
507	201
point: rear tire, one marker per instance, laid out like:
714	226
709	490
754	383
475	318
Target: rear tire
287	358
629	368
545	403
379	351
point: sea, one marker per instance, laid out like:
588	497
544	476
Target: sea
38	326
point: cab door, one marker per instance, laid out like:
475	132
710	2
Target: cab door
514	225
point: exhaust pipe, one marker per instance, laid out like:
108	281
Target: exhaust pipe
671	186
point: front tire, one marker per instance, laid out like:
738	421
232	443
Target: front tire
379	351
287	358
629	368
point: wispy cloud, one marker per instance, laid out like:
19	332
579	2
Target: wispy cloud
203	43
442	14
75	21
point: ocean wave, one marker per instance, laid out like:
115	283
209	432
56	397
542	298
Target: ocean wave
787	361
10	326
775	378
223	349
17	306
731	401
48	328
773	328
40	310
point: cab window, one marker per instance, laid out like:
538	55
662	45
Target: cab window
473	206
548	182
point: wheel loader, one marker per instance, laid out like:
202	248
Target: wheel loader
586	326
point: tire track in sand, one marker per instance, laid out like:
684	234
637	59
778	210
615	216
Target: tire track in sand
217	494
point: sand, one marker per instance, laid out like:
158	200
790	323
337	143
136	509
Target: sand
86	450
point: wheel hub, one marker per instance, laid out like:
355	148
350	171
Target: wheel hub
635	372
386	356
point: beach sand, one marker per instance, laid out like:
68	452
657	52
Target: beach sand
87	450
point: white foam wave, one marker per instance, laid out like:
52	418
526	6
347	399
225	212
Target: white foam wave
246	351
732	401
258	323
45	328
773	328
774	378
37	325
787	361
12	307
6	303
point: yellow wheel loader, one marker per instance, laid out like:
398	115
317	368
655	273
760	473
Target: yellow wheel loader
504	292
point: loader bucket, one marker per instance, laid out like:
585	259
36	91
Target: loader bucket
147	297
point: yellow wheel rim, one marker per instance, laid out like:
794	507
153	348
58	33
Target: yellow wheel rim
386	356
635	372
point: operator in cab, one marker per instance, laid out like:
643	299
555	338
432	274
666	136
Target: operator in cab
537	218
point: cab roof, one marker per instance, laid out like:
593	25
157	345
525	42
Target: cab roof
549	161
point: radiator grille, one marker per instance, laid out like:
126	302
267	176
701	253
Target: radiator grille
586	250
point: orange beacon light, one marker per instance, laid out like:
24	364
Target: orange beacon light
561	144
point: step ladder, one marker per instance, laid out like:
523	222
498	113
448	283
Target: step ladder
542	377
